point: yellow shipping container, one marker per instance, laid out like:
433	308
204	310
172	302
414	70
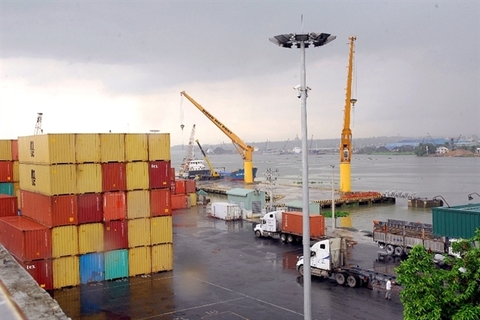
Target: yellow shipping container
16	172
138	204
90	238
49	180
112	147
162	257
159	146
161	230
136	147
87	147
89	178
66	272
137	176
47	149
64	241
138	232
193	199
139	261
6	150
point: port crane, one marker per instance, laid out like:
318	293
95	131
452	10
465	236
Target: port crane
245	151
214	174
346	138
38	124
189	155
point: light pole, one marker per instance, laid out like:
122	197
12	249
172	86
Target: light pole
302	41
333	197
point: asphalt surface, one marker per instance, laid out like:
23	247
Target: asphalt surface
221	271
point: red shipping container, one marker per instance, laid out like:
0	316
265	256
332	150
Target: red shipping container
179	201
6	171
51	211
159	174
172	174
114	206
25	239
90	208
160	202
15	150
40	270
115	235
190	186
8	205
180	186
172	187
114	176
292	222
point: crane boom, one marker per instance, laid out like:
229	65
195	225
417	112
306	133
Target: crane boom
346	138
213	173
189	156
245	151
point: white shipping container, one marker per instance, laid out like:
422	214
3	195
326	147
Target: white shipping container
226	211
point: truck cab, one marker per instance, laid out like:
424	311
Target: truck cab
325	256
270	225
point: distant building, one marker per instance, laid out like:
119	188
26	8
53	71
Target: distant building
441	150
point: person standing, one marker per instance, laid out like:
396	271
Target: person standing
388	287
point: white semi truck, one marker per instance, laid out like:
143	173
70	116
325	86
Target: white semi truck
328	258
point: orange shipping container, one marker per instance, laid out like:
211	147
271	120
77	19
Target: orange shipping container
190	186
8	205
179	201
6	171
15	150
180	186
51	211
160	202
114	206
292	222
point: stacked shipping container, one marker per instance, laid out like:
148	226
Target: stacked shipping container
9	186
105	201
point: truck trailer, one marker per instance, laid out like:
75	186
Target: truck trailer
328	259
288	226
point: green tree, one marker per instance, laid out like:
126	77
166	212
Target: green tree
430	292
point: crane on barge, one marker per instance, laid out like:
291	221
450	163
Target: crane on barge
346	138
245	151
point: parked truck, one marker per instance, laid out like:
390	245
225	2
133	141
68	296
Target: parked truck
398	237
288	226
328	258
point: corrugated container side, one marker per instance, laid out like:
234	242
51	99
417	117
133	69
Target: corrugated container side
161	230
40	270
15	150
137	176
112	147
116	264
49	180
193	199
90	207
47	149
64	241
114	177
89	178
87	148
179	201
25	239
456	222
16	171
138	204
114	206
6	171
136	147
66	272
7	188
90	238
180	186
160	202
6	150
92	268
51	211
8	205
139	261
139	232
293	222
162	257
159	147
190	186
159	174
115	235
16	193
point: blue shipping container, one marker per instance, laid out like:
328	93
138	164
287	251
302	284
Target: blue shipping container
7	188
116	264
92	267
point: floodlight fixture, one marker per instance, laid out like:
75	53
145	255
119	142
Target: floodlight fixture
439	196
471	194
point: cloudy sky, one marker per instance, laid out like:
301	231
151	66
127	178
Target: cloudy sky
95	66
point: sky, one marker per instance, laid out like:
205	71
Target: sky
119	66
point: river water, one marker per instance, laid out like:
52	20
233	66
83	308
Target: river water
452	178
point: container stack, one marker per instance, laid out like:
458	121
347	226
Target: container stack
9	186
101	203
183	194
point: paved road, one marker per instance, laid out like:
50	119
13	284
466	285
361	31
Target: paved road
221	271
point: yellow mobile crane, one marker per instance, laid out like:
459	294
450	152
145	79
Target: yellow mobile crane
346	138
243	149
214	174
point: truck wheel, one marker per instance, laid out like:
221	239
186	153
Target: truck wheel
398	251
300	269
283	237
390	249
352	281
258	234
290	238
340	277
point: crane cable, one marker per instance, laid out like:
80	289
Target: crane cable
181	118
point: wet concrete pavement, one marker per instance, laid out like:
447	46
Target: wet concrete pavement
221	271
